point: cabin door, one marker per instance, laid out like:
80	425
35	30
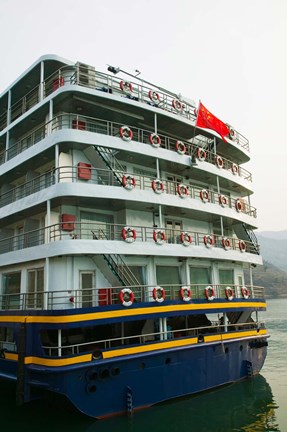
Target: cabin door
87	289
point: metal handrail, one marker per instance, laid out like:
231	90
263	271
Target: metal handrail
97	297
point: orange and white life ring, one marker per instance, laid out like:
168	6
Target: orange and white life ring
219	161
158	294
159	236
209	293
180	147
232	134
229	294
157	186
201	154
223	200
204	195
239	205
126	133
235	169
185	238
245	292
129	234
177	105
182	190
242	245
128	182
126	86
126	297
208	241
185	293
226	243
155	140
154	96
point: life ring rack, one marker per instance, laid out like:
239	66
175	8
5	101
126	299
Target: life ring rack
229	294
126	297
129	234
158	294
209	293
185	293
159	236
128	182
185	238
126	133
245	292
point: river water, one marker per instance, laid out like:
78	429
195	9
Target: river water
257	404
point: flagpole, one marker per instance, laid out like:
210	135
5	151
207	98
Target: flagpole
192	156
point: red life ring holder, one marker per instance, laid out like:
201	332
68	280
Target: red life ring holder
182	190
126	86
177	105
219	161
126	133
129	234
223	200
180	147
157	186
229	294
128	182
226	243
204	195
208	241
185	238
159	236
209	293
242	246
154	96
235	169
239	205
155	140
245	292
126	297
201	154
185	293
158	294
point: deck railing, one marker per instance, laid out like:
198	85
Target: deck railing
97	297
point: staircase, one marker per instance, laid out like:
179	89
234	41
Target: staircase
108	156
248	235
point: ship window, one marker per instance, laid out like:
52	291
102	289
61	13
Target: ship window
167	275
199	279
35	288
173	229
140	273
226	277
11	291
97	225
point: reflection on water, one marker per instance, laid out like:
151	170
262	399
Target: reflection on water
246	406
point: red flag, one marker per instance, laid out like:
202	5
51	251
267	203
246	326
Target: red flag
207	120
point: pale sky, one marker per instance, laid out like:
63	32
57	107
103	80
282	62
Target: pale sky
230	54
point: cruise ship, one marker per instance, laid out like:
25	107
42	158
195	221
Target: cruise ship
127	242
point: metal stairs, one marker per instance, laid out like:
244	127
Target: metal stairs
247	234
109	157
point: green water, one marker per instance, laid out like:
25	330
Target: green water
252	405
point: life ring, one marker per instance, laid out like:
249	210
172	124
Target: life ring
182	190
219	161
245	292
208	241
201	154
223	200
155	140
239	205
180	147
128	182
126	86
158	294
242	246
126	133
204	195
185	293
157	186
154	96
177	105
209	293
235	168
127	297
185	238
129	234
229	294
226	243
232	134
159	236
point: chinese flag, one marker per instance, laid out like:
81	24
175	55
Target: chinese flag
207	120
